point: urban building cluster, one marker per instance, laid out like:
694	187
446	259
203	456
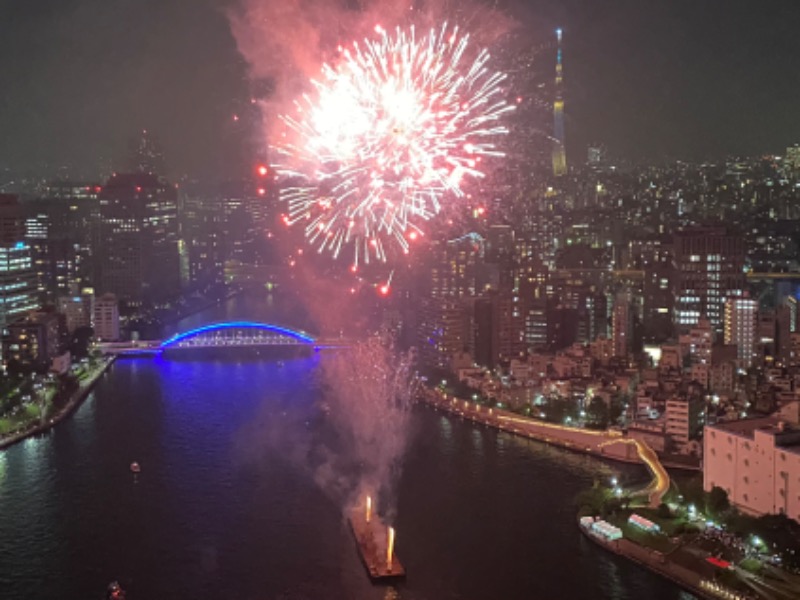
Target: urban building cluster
105	254
663	301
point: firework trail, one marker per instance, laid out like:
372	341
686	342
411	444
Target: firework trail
385	137
371	387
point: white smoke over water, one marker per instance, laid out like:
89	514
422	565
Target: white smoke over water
369	389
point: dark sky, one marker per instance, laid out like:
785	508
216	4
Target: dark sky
650	78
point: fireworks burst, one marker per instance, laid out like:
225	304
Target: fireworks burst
385	137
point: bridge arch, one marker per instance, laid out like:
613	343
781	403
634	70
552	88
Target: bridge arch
227	331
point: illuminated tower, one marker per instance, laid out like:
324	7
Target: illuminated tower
559	152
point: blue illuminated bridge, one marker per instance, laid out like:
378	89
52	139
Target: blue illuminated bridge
235	334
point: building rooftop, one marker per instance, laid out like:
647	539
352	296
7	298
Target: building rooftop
746	427
785	433
133	180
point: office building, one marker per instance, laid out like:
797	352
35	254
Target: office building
77	309
709	269
442	331
58	227
32	342
137	241
203	235
741	321
223	224
535	318
17	276
454	267
105	318
685	418
785	326
497	331
622	325
792	160
697	344
653	257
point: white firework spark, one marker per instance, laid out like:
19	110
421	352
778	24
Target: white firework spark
386	136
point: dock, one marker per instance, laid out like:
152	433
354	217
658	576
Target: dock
371	543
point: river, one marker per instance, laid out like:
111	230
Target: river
226	505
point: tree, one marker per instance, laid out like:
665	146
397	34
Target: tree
693	494
80	341
616	409
597	413
717	501
611	506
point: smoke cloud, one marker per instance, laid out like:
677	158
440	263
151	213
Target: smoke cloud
286	42
369	390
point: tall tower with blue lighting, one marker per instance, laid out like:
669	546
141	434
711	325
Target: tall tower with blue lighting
559	150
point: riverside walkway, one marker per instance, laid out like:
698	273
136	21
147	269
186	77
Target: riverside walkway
78	395
659	486
610	444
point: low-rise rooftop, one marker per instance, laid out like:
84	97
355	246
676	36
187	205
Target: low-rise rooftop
785	434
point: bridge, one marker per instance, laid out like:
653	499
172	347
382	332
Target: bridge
235	334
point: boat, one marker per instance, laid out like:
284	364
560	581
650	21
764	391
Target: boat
380	567
135	468
115	591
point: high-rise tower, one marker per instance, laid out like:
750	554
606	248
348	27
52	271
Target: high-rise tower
709	269
559	151
136	240
146	155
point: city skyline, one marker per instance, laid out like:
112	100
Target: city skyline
259	284
666	80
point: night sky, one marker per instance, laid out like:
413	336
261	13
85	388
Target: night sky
652	79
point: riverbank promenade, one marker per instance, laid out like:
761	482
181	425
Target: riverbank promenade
609	444
85	385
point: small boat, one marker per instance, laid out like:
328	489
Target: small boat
115	591
135	468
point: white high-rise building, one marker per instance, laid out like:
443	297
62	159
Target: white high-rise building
741	321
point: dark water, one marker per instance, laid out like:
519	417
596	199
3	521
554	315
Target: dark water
226	506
